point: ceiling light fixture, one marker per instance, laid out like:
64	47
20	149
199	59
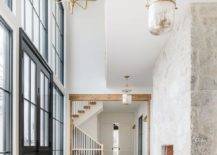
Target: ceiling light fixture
126	96
73	3
161	15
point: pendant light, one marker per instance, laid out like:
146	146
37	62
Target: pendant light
126	96
161	15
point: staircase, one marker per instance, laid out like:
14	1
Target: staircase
83	110
82	144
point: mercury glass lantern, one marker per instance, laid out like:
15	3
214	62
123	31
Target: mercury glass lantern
161	16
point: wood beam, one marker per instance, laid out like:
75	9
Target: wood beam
107	97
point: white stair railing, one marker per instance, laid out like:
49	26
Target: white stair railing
83	144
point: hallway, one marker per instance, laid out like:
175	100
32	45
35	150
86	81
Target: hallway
108	77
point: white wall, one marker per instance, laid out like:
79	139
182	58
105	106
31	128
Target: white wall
87	53
142	110
171	105
91	127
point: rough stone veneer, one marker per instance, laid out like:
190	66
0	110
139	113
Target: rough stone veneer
184	108
204	79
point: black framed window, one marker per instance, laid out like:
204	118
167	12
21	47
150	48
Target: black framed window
57	39
5	87
9	3
35	100
58	105
34	17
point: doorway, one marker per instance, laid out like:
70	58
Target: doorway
35	101
140	135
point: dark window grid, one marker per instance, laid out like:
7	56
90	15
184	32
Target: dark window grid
60	51
38	15
44	25
8	108
36	12
58	101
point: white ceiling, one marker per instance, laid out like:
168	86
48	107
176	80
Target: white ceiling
131	49
119	107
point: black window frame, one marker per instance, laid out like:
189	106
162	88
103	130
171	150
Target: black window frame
34	150
10	89
54	118
54	51
44	24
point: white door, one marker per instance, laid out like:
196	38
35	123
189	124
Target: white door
125	138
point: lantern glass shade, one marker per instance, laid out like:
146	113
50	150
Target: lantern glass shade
161	16
127	98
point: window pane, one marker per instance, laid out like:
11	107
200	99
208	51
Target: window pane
53	29
56	43
4	121
28	24
34	21
44	123
42	128
26	124
42	90
36	5
36	30
33	125
46	86
57	122
33	82
43	11
26	76
4	57
5	89
42	41
46	136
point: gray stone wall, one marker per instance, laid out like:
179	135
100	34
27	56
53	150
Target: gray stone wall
184	108
171	93
204	79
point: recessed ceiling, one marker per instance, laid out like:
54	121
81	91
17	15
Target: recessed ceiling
131	49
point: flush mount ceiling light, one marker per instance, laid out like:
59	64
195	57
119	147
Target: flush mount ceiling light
161	15
76	3
126	96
